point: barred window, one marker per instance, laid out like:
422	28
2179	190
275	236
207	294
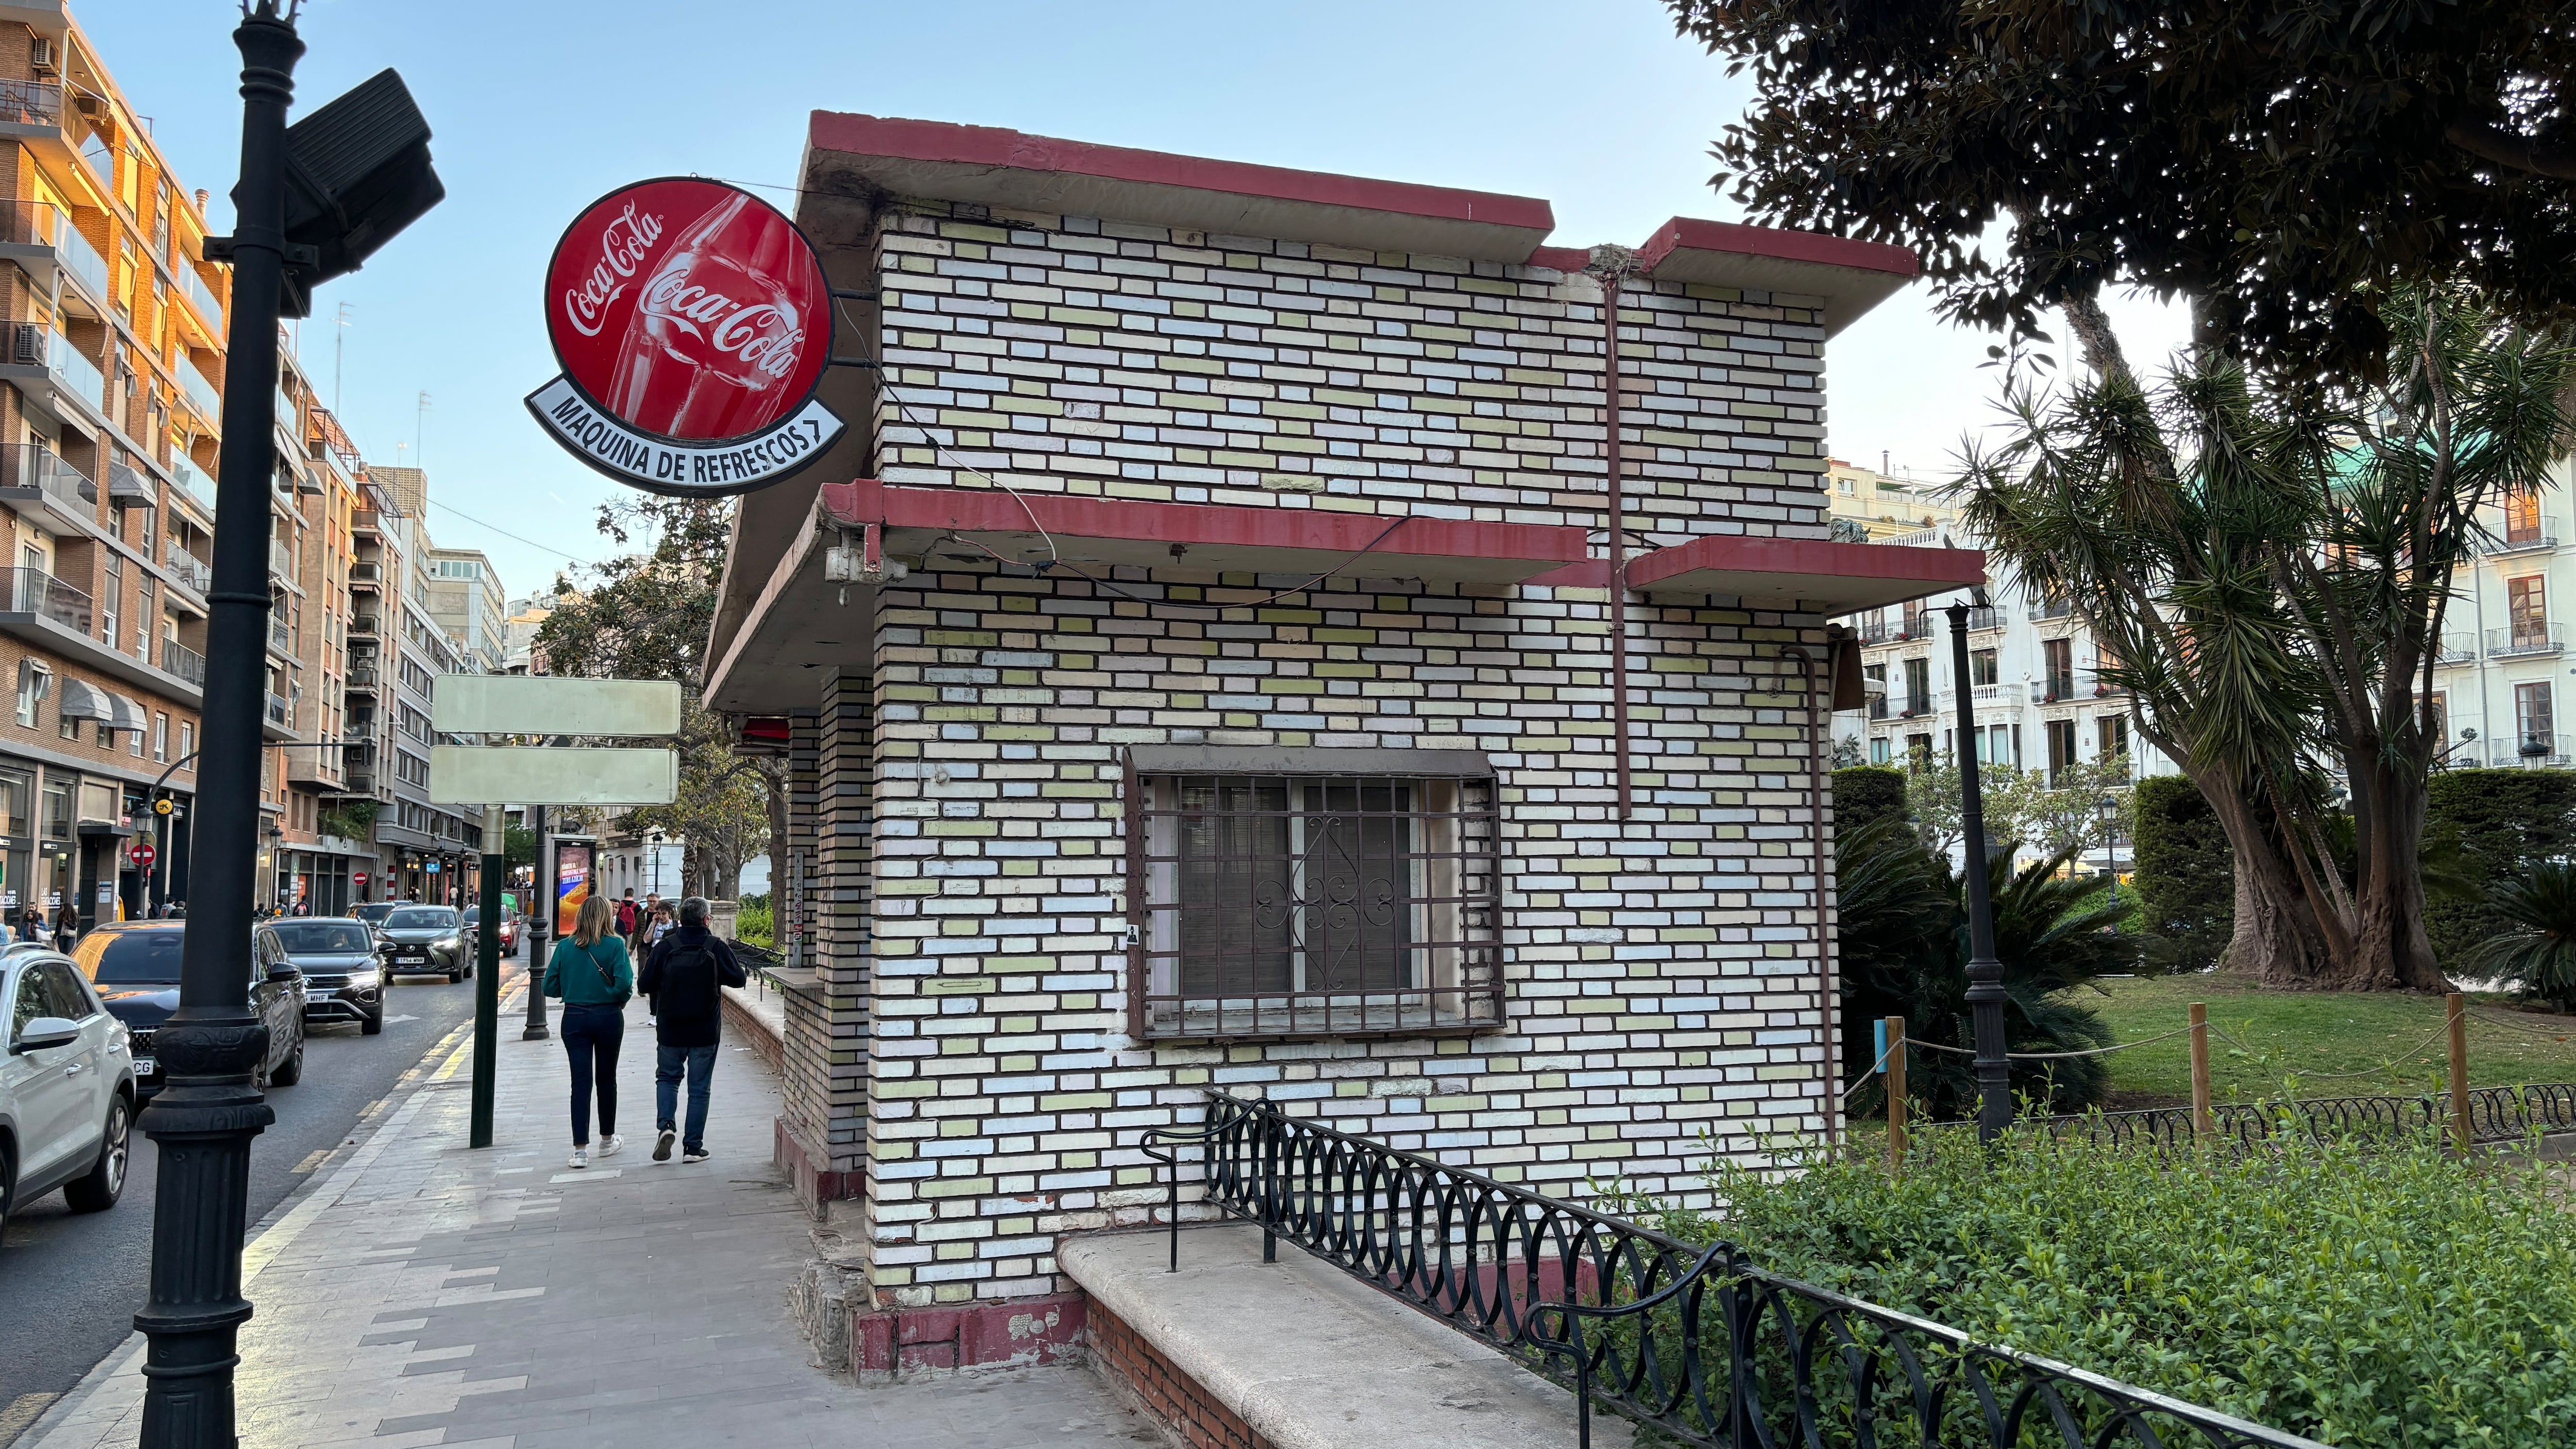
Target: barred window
1293	904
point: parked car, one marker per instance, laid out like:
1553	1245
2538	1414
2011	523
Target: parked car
342	975
135	966
473	928
373	912
67	1088
425	938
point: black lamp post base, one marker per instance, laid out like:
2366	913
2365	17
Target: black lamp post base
201	1125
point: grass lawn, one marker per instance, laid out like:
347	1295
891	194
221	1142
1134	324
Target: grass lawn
2299	1035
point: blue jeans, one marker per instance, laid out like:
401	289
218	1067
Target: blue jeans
700	1063
591	1036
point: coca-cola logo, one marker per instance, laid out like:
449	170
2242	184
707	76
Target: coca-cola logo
689	310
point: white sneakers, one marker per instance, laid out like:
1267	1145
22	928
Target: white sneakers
611	1145
662	1145
580	1157
699	1156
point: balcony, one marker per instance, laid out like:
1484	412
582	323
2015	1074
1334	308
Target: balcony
41	235
280	713
1980	620
2528	642
1878	706
2534	541
186	569
281	559
2047	609
2055	689
40	472
2103	688
313	766
201	392
279	638
2538	751
31	103
36	345
361	680
362	626
366	576
100	157
200	296
2457	649
34	591
195	483
187	663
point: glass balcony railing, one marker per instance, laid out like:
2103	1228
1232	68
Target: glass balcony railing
200	296
39	469
281	560
280	713
34	591
74	373
191	572
31	103
201	392
43	224
187	663
101	159
193	480
278	637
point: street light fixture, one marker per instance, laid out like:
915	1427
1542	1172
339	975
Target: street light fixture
360	172
1986	994
2109	811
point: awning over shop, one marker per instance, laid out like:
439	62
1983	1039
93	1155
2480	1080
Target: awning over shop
1807	573
801	621
87	701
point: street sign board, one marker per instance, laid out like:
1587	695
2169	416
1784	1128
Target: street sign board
141	854
481	774
540	704
693	323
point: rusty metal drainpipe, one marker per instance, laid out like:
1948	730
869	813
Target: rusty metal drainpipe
1819	691
1612	265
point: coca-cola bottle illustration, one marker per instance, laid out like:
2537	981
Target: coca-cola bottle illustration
718	330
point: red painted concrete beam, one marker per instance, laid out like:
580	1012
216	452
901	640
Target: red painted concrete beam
1852	276
1834	578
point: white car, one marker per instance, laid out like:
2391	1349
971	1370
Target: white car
66	1087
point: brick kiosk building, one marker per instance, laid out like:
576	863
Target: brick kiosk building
1237	709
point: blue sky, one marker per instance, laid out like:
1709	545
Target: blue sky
541	105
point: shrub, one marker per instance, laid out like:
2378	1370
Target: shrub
2372	1300
2501	823
1866	793
2537	951
2185	873
752	921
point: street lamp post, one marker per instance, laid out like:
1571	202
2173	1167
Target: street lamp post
1986	994
204	1119
541	910
2109	810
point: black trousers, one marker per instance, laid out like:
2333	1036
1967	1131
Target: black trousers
591	1037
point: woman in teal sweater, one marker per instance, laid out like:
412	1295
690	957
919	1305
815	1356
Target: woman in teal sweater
590	970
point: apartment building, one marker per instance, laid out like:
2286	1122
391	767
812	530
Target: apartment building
465	598
2503	650
2034	669
422	850
519	633
109	426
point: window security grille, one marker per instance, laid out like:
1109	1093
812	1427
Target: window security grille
1304	905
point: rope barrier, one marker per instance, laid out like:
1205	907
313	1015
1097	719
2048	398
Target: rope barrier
2390	1065
2052	1056
1874	1068
2561	1034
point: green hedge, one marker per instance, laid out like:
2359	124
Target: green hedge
2390	1299
2185	872
2502	822
1864	793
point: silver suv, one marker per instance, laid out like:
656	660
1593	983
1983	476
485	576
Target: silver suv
66	1087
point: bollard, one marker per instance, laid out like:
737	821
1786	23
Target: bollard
2458	1007
2200	1118
1895	1066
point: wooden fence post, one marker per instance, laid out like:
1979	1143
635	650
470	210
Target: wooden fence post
1895	1092
2457	1006
2200	1123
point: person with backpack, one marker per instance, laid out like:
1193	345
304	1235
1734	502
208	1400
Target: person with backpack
684	977
594	976
627	916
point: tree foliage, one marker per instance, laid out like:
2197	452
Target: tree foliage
2537	948
2278	163
2498	825
646	614
2185	873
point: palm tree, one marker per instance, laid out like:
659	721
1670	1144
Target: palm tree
2539	952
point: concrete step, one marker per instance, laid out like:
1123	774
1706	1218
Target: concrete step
1301	1354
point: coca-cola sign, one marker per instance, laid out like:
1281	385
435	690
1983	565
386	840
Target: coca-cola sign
693	323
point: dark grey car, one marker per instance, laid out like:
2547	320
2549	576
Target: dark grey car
425	938
343	980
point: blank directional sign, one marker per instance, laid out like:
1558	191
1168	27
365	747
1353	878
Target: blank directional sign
534	775
539	704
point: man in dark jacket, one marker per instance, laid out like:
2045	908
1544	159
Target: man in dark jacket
683	977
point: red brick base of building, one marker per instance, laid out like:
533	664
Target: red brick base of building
1162	1390
1023	1333
813	1186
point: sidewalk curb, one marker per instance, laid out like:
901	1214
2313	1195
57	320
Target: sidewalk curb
273	1234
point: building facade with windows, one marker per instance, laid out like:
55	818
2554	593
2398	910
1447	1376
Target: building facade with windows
465	597
1241	707
422	850
109	426
2504	687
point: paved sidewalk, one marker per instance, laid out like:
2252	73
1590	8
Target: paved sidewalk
425	1294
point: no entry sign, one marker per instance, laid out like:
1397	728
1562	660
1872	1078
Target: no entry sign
141	853
693	323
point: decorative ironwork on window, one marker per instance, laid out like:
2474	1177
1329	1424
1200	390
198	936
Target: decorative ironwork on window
1313	905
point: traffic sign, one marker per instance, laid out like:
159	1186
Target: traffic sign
358	877
471	774
141	854
513	704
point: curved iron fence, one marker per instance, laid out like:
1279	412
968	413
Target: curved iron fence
1693	1339
2496	1114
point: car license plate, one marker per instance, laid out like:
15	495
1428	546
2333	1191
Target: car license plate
411	956
316	998
145	1066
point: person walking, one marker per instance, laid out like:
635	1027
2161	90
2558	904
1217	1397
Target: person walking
594	976
31	926
682	978
628	916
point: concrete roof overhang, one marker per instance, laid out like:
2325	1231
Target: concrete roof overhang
1851	276
799	622
1808	574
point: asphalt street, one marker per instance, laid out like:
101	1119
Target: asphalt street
70	1284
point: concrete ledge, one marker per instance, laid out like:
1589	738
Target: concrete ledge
761	1020
1306	1357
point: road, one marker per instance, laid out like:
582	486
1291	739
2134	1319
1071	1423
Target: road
70	1285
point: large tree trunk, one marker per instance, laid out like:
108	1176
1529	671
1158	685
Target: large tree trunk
2392	950
2276	937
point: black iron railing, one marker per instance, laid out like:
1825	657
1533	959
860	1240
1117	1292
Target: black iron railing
2496	1114
1693	1339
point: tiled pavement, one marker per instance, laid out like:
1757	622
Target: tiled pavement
425	1294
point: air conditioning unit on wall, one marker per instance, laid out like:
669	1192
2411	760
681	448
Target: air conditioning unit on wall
40	58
